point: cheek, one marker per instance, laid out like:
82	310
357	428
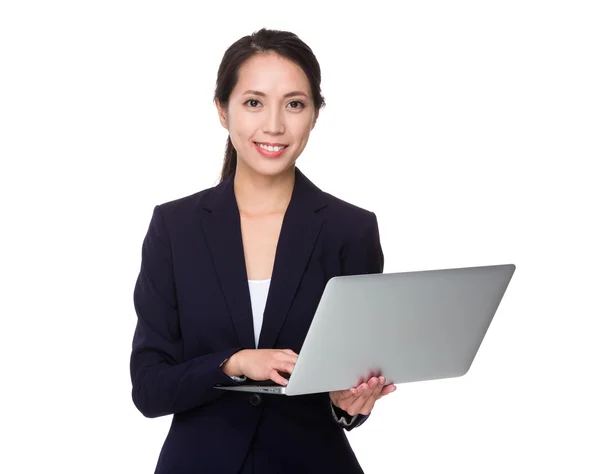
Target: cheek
243	132
300	129
242	125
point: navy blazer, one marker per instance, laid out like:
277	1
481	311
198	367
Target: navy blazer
193	312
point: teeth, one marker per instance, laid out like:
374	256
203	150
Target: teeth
270	148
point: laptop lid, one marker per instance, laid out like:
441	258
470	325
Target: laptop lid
408	327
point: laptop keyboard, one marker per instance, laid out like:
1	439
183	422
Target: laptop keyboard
262	383
266	383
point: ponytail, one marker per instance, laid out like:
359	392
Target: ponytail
230	161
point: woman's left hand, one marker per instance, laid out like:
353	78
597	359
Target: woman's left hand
361	398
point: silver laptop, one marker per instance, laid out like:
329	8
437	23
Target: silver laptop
408	327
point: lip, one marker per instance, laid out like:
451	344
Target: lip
270	154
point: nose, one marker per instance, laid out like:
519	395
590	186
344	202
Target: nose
274	123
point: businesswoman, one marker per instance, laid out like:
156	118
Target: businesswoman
232	275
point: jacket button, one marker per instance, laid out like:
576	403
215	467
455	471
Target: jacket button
255	399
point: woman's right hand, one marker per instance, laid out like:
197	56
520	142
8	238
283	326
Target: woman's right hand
262	364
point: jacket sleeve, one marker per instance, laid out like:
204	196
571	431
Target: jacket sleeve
163	382
363	257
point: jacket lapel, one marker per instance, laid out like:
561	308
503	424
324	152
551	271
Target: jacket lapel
299	232
223	235
300	229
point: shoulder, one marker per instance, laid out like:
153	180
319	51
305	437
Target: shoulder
344	210
346	224
347	217
337	211
183	206
352	233
178	216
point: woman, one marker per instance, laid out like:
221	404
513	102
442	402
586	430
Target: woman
232	275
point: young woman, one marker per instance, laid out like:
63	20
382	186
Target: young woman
232	275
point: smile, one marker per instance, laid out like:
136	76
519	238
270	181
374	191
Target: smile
270	151
271	148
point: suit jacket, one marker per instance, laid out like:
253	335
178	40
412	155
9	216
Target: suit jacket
193	312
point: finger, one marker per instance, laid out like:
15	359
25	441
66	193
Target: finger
355	398
345	398
345	403
387	389
384	388
347	394
375	384
379	387
278	379
368	406
290	352
285	356
371	392
364	393
356	391
357	404
283	366
364	384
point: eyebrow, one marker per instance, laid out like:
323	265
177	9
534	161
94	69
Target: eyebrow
289	94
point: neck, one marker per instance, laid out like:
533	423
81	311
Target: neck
258	194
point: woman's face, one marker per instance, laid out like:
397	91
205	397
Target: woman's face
270	104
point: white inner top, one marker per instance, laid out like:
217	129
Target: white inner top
259	289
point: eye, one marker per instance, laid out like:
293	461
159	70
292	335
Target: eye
252	100
300	104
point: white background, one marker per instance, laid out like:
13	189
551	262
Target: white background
470	128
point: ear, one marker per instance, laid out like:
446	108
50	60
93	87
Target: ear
315	119
222	114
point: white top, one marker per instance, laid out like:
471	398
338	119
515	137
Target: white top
259	289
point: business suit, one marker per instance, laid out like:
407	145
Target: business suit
193	308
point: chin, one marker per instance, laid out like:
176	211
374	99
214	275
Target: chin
273	167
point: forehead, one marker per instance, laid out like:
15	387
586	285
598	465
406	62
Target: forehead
272	74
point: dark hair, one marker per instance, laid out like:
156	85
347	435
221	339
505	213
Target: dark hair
284	43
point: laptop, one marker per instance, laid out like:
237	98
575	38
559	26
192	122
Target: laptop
408	327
